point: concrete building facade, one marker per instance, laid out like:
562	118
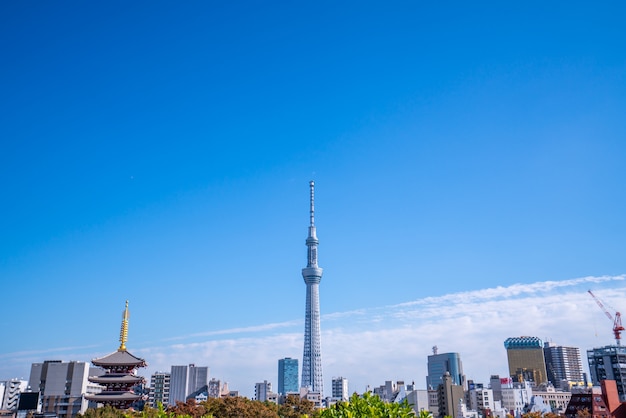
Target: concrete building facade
609	363
159	389
185	380
62	386
340	389
563	364
480	399
557	400
516	396
262	391
449	395
418	398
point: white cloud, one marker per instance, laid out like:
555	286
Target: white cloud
369	346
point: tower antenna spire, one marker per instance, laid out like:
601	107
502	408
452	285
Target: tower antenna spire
124	330
312	210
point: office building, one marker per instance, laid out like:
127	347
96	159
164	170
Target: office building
198	377
515	396
159	389
390	391
185	380
340	389
62	386
433	401
312	357
495	384
262	391
480	399
609	363
449	395
526	359
439	364
288	376
563	364
215	388
418	399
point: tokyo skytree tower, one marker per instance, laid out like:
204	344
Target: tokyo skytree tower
312	274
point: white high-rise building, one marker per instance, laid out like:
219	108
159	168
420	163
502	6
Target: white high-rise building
185	380
262	391
340	389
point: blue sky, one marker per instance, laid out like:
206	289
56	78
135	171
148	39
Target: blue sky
161	152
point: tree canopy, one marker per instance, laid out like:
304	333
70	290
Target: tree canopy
368	406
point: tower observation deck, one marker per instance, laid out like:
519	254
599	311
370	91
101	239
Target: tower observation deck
312	274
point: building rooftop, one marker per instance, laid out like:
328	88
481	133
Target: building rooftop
119	358
523	343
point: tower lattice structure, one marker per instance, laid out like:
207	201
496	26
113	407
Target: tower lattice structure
312	274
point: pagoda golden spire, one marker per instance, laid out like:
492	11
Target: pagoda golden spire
124	330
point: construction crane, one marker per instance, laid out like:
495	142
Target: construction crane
617	319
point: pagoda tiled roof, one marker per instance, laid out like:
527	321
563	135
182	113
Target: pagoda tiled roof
116	378
109	396
119	358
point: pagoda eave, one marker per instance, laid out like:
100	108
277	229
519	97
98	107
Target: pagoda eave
111	396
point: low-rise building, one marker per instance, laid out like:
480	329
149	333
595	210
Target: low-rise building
516	397
10	393
159	389
557	400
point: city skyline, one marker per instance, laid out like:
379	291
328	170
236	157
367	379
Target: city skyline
241	356
468	158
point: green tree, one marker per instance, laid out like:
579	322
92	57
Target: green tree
535	414
239	407
297	407
583	413
368	406
189	409
105	412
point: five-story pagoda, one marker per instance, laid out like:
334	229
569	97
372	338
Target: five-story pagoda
120	377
